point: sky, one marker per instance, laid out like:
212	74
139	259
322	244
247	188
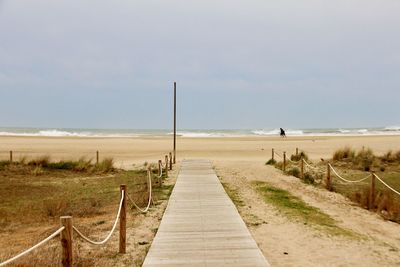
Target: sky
238	64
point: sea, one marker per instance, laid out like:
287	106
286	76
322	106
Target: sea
193	133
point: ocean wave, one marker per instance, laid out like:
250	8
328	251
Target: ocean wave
203	134
62	133
392	128
277	132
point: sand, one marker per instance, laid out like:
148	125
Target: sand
239	161
128	151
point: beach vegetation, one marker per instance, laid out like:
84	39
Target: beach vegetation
233	194
106	165
38	196
296	209
365	158
301	155
271	162
345	153
294	171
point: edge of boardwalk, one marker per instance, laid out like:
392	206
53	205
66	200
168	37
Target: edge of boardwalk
201	226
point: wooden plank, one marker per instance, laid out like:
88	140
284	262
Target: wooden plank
201	226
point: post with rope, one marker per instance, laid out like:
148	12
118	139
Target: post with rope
166	166
170	161
284	161
66	241
97	157
122	221
302	168
273	153
328	178
372	192
11	156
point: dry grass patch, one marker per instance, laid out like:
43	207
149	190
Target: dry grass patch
34	194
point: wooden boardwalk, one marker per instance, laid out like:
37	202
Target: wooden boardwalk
201	226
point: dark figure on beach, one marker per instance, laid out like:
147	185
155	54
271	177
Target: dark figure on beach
283	134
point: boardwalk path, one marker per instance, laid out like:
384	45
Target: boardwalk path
201	226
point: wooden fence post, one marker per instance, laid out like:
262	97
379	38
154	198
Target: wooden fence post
159	167
297	151
302	168
66	241
328	178
97	157
273	154
166	166
11	156
371	202
284	161
170	161
122	221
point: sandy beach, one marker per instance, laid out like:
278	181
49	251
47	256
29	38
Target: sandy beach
128	151
238	163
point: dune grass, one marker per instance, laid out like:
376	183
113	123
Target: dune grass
87	192
296	209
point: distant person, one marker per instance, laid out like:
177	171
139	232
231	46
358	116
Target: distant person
283	134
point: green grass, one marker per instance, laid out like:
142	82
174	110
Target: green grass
296	209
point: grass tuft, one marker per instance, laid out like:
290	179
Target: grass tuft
345	153
301	155
294	171
271	162
106	165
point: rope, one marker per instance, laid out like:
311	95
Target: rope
150	195
310	166
4	263
388	186
112	230
278	154
348	181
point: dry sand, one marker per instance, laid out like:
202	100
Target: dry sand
241	160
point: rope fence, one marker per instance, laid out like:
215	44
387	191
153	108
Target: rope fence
112	229
41	243
67	228
330	169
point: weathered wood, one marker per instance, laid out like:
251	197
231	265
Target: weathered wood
11	156
201	226
273	154
174	122
302	168
328	178
371	202
284	161
122	221
297	151
66	242
97	157
170	161
166	166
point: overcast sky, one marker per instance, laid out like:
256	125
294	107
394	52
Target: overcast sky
238	64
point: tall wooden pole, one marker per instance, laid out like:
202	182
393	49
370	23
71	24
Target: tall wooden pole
174	122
